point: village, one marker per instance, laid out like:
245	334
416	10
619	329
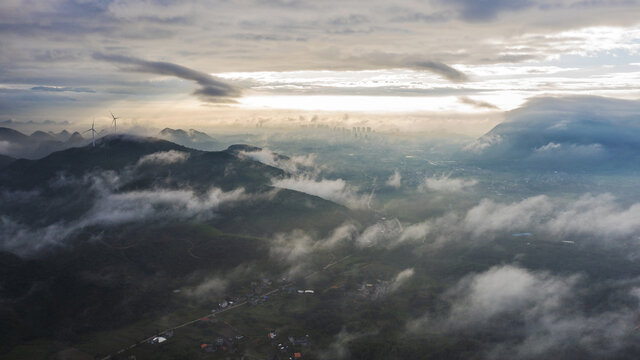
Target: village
283	345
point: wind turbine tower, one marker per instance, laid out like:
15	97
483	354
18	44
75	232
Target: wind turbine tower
93	133
114	122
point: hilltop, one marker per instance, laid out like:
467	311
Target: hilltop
568	134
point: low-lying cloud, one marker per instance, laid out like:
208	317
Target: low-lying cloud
401	278
164	157
212	286
534	313
395	180
337	190
115	208
5	146
599	219
339	348
111	207
293	165
444	183
590	215
296	248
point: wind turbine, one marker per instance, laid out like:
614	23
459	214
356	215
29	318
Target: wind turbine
93	133
114	122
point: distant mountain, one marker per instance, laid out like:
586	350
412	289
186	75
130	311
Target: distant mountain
42	136
61	136
191	138
569	134
75	138
12	136
111	153
38	144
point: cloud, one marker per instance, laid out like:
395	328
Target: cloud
337	190
484	10
392	233
163	11
412	61
5	147
415	232
62	89
379	234
601	219
343	233
484	142
444	183
530	314
211	88
477	103
441	69
395	180
164	158
489	216
415	16
504	289
401	278
339	348
292	165
9	197
600	216
573	151
115	208
340	37
297	248
213	286
293	249
590	218
21	239
109	208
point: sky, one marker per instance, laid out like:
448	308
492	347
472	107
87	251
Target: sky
406	65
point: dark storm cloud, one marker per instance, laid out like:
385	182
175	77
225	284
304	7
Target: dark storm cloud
211	89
